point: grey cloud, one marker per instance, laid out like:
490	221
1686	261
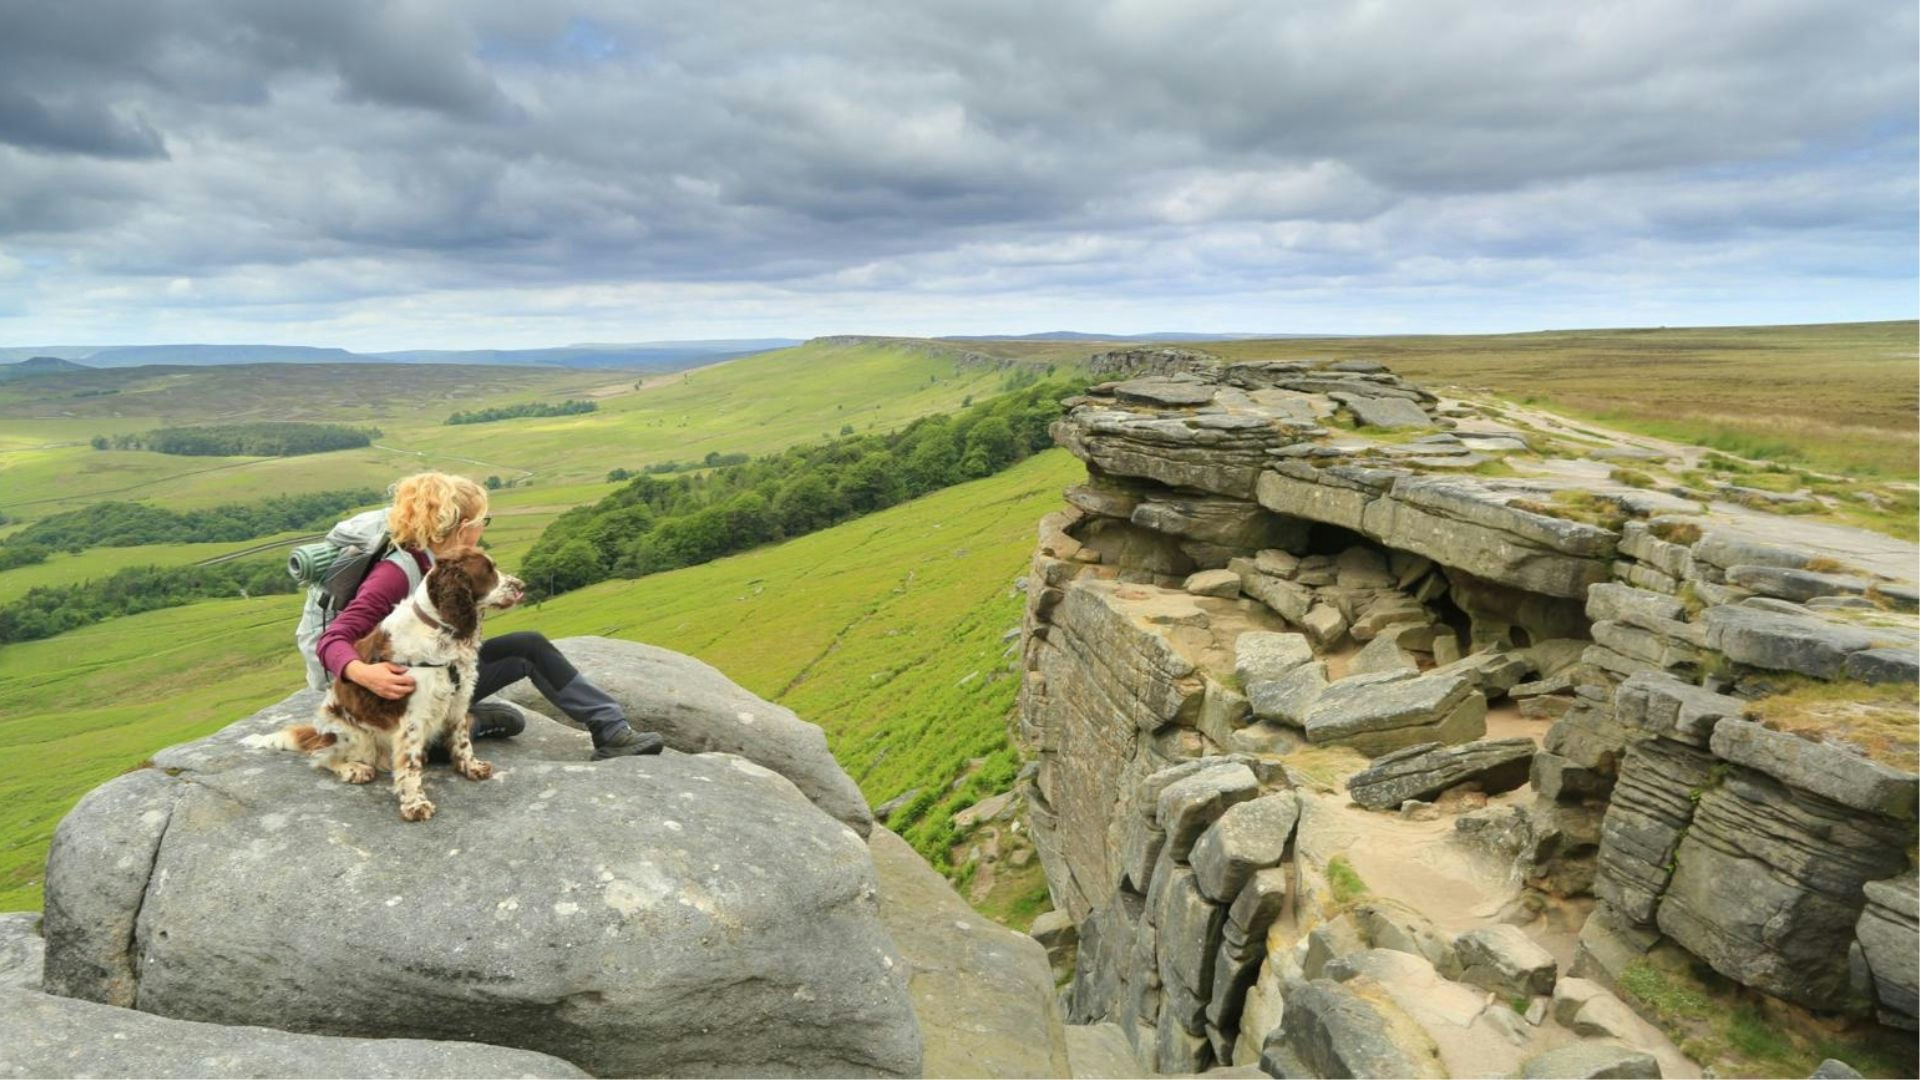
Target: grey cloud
980	146
83	127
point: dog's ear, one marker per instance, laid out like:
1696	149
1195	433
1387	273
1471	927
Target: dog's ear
480	569
451	587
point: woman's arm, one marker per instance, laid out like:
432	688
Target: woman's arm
383	590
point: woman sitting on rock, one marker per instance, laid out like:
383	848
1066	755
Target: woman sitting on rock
434	513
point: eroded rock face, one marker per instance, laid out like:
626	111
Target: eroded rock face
1652	808
638	916
1767	886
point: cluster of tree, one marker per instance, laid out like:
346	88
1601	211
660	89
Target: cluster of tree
126	524
55	609
568	407
714	460
264	438
656	524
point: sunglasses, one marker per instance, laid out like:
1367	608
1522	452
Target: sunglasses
484	521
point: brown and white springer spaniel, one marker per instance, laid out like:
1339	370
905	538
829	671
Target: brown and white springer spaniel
436	635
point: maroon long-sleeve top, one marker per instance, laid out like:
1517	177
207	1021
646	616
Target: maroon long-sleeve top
383	590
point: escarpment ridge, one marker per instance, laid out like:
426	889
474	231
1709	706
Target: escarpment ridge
1385	734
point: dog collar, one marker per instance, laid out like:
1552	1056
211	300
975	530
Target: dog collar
427	617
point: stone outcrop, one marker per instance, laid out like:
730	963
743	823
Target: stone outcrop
1398	594
682	913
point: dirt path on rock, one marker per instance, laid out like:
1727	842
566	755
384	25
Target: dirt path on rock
1424	866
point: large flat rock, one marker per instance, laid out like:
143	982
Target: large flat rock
661	916
1375	714
698	710
1781	641
1822	768
43	1035
1342	1029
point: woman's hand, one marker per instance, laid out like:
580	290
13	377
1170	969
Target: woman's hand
388	680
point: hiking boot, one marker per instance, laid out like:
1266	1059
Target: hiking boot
628	743
496	720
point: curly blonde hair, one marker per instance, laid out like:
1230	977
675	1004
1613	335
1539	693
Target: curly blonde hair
428	507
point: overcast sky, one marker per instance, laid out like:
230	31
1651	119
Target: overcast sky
506	173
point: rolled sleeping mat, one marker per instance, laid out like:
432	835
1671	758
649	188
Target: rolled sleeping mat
309	563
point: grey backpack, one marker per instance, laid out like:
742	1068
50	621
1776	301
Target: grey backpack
333	571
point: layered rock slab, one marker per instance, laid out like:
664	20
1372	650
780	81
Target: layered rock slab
1424	770
660	915
43	1035
1454	521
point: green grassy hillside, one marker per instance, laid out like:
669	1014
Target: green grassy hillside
62	568
886	631
753	405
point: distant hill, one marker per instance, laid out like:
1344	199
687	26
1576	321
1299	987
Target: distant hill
38	365
645	355
1170	335
651	355
201	355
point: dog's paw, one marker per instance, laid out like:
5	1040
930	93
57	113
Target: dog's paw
419	810
474	769
356	772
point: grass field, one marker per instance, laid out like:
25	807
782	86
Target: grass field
886	631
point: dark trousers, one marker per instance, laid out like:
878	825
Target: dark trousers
527	654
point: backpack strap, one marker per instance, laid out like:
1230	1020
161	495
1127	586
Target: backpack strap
408	565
